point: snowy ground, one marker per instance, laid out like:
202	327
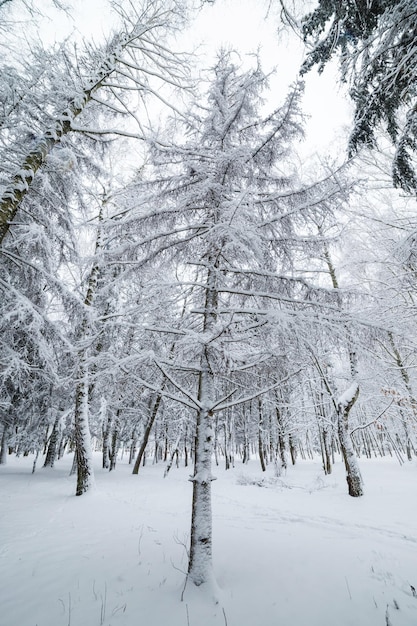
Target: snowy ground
297	551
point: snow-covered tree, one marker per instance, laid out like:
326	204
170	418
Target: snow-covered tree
134	60
376	42
230	216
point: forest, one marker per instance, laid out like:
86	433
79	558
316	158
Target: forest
187	288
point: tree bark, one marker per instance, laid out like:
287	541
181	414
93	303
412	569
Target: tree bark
7	430
52	450
106	442
260	438
146	434
83	453
353	475
200	565
200	568
115	441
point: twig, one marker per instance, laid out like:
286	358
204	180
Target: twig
140	540
348	588
183	591
373	421
178	568
224	615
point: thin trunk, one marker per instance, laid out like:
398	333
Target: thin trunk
61	447
293	450
186	446
106	442
327	452
260	438
146	435
46	440
115	441
246	444
174	453
132	451
166	443
52	450
281	452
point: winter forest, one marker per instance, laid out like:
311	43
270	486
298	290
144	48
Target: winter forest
208	342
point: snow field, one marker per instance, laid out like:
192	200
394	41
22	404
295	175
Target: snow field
296	551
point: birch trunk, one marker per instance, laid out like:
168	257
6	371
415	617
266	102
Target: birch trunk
200	565
106	442
345	404
83	454
353	474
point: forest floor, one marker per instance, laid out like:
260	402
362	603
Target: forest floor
288	551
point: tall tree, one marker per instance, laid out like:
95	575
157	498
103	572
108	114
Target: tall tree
133	60
227	214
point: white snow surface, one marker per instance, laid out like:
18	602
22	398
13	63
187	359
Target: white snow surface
294	550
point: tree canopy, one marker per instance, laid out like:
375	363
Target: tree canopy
376	44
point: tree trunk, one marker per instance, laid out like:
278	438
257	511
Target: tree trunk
293	450
115	441
146	434
52	450
106	441
132	451
83	454
281	457
353	475
260	438
200	568
7	430
327	461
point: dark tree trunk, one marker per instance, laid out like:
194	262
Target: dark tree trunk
146	434
115	441
106	441
260	438
52	450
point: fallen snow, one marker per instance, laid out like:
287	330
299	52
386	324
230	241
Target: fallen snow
347	397
289	551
